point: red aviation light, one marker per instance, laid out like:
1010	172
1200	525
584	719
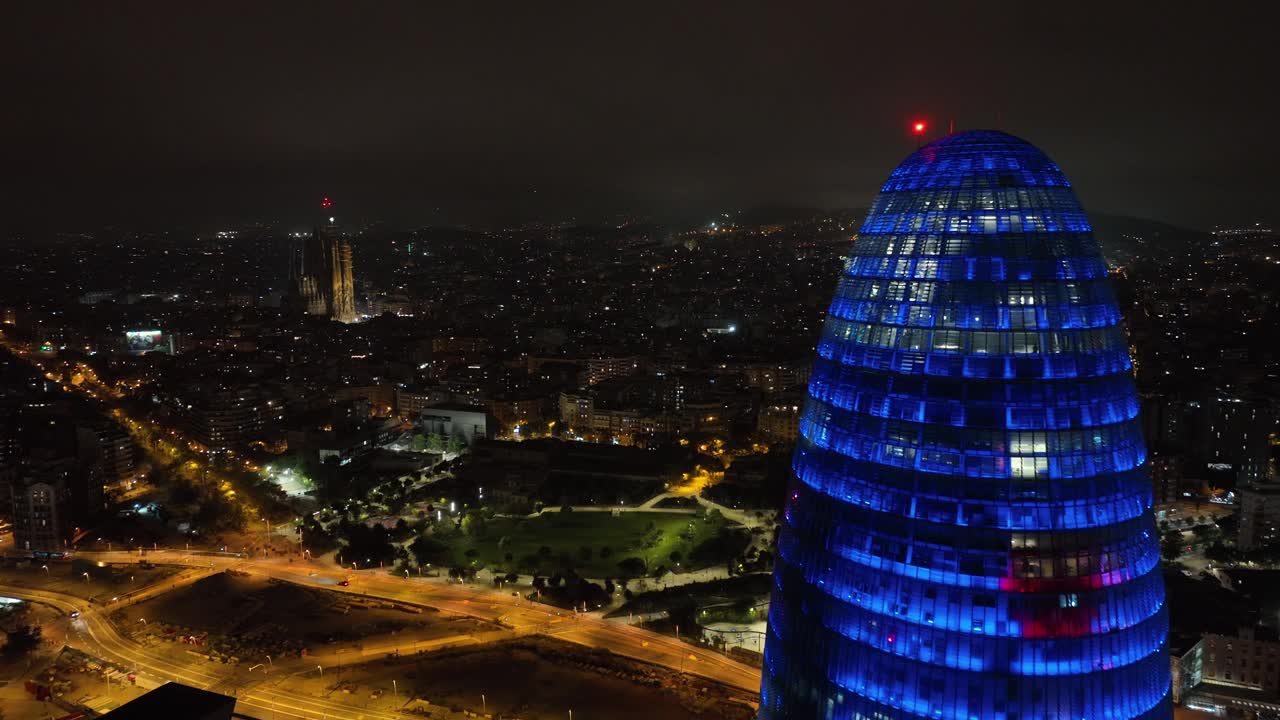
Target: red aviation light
326	203
918	127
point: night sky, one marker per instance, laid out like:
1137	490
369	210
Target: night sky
487	112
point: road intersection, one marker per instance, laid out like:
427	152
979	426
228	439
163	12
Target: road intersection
93	633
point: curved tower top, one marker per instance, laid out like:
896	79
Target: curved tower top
969	533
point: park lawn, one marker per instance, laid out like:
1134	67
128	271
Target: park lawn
567	533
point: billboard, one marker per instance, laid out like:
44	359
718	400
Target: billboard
138	342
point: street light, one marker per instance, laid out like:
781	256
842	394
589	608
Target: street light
86	577
45	568
321	670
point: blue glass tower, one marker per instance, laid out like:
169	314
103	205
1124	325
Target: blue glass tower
969	534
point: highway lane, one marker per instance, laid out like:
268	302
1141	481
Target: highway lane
523	617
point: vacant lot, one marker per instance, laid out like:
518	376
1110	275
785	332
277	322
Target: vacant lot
265	615
593	543
531	679
85	579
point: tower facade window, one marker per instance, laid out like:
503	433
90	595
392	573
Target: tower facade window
969	532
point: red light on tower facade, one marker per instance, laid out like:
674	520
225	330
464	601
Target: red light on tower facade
326	203
918	127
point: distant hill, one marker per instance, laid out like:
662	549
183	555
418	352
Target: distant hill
1126	238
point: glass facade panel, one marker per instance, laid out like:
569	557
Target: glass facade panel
969	532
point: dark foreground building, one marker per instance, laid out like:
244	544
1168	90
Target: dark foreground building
969	535
175	701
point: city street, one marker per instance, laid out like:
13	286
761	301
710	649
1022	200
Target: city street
94	634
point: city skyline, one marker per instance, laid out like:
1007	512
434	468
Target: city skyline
532	361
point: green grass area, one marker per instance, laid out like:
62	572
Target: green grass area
593	543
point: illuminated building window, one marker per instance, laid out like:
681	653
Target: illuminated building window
969	532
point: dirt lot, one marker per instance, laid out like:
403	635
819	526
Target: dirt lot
530	679
243	614
103	582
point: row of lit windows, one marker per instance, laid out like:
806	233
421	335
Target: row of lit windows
1104	567
921	523
928	177
957	504
1015	294
989	223
900	687
1032	198
960	637
992	366
1087	414
1093	341
1019	615
842	476
977	317
974	464
1080	553
982	269
1024	246
813	696
846	380
978	439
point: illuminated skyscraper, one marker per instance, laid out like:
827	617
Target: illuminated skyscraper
321	274
969	534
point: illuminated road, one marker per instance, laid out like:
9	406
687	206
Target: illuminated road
95	635
92	633
521	616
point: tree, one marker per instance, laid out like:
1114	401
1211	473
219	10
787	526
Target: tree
435	443
454	445
584	553
402	531
544	552
419	442
1171	545
632	567
428	550
539	583
474	524
606	552
675	557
